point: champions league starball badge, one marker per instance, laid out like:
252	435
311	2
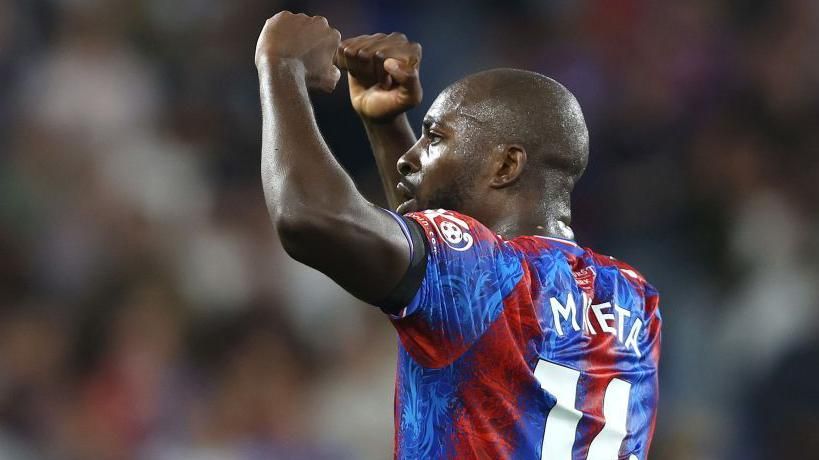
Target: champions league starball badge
455	232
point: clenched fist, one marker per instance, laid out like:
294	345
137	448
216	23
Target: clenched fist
383	74
305	40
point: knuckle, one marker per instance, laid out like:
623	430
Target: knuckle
398	35
279	17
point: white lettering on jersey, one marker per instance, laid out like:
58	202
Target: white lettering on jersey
561	311
622	314
587	326
608	321
604	318
631	341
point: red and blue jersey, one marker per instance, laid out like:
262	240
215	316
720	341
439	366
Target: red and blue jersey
529	348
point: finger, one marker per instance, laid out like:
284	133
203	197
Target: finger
409	53
353	40
356	42
354	45
335	38
347	54
362	65
393	45
339	60
373	63
347	50
330	80
375	51
380	43
384	41
331	42
396	46
282	13
409	85
401	71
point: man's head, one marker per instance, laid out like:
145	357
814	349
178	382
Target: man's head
494	139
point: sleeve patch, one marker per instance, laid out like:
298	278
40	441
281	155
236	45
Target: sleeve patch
453	231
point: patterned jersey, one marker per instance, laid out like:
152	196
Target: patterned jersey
530	348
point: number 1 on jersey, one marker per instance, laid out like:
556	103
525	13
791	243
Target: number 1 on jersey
561	423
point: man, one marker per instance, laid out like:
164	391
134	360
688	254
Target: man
515	342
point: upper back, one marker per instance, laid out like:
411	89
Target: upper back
589	299
525	348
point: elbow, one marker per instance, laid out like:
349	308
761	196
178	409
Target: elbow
301	232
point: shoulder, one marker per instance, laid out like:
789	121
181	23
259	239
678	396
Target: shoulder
461	249
456	231
624	268
624	271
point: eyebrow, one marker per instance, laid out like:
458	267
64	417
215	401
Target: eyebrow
429	121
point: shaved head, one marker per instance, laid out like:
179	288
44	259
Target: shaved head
505	146
520	107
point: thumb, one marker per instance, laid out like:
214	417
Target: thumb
401	72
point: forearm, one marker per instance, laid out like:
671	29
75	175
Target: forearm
320	217
299	172
390	140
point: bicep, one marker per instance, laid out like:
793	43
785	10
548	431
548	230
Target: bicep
363	248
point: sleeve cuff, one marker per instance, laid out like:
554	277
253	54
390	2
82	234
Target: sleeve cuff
405	297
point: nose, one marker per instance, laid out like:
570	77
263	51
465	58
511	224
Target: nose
410	161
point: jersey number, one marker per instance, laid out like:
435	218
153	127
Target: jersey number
561	423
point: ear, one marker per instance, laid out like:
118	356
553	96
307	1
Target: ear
508	165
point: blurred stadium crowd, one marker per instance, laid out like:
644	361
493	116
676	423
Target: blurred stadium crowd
147	311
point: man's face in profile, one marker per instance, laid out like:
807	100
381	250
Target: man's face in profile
441	171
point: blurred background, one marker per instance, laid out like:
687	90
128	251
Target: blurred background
148	312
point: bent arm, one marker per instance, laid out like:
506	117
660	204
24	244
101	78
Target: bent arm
389	140
384	84
321	218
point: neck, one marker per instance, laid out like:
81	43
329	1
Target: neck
520	217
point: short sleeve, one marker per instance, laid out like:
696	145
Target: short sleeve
469	272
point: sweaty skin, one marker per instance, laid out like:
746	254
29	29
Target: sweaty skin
503	146
322	220
384	83
512	156
503	149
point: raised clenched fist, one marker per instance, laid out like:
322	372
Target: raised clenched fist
305	40
383	74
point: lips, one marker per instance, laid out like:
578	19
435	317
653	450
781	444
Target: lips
405	191
407	206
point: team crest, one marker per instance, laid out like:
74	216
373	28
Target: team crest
454	231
